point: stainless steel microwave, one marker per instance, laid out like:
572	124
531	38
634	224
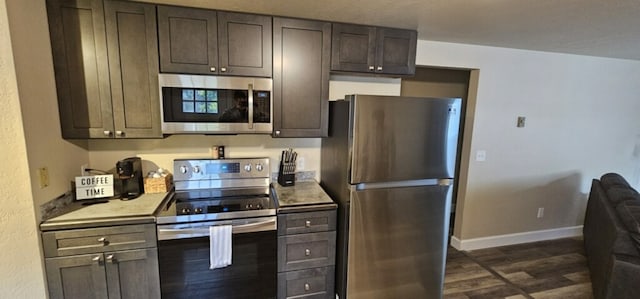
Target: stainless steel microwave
194	104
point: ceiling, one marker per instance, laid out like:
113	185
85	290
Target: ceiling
607	28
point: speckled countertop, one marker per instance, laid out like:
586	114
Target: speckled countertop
113	212
304	195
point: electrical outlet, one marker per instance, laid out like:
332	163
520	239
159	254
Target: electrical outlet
83	169
540	212
521	120
43	174
300	163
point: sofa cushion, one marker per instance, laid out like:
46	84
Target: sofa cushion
613	179
629	213
618	194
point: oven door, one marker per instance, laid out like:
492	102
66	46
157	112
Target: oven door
215	104
183	253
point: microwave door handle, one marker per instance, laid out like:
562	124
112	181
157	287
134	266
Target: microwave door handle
250	94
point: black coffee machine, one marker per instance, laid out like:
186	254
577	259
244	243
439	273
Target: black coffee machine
129	175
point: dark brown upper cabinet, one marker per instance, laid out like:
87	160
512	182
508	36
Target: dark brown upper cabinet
105	60
302	53
200	41
366	49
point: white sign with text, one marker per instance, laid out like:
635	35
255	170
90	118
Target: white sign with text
94	186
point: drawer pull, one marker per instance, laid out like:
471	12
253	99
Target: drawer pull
111	258
307	287
307	223
307	252
96	259
103	240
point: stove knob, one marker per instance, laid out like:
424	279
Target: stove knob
258	207
183	169
186	211
196	169
259	167
247	168
198	211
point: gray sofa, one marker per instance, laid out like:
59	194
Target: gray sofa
612	238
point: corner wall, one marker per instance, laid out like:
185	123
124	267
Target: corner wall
582	121
21	270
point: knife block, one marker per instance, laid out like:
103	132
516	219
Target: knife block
287	174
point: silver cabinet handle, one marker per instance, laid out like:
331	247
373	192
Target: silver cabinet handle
307	287
307	223
111	258
106	133
103	240
371	68
277	132
119	133
223	69
96	259
307	252
213	69
379	68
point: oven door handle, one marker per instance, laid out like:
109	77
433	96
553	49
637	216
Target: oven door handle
168	233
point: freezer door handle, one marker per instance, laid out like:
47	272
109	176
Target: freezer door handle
402	184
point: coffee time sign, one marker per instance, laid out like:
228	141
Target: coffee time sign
94	186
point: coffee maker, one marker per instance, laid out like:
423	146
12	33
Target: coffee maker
129	175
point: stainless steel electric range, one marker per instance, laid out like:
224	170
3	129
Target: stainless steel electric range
218	192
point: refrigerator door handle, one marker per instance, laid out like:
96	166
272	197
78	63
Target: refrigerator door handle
400	184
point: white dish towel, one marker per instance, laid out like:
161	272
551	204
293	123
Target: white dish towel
220	246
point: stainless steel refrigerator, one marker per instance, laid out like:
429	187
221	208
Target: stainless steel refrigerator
390	164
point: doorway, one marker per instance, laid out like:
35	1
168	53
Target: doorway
443	83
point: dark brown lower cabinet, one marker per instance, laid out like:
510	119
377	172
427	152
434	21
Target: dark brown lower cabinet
306	255
106	262
301	62
119	274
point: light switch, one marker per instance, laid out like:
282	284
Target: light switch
520	123
481	155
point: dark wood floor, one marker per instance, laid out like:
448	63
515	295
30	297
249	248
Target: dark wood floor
548	269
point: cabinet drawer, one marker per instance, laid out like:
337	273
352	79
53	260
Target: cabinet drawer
316	283
306	251
92	240
301	223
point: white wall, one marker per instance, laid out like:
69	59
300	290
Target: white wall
582	121
21	271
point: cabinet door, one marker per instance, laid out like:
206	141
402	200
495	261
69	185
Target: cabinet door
81	68
301	78
296	252
244	44
353	48
314	283
78	276
133	64
133	274
188	39
396	51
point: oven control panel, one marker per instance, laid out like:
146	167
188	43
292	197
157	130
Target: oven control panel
216	206
214	169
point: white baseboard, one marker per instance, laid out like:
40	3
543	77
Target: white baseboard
518	238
